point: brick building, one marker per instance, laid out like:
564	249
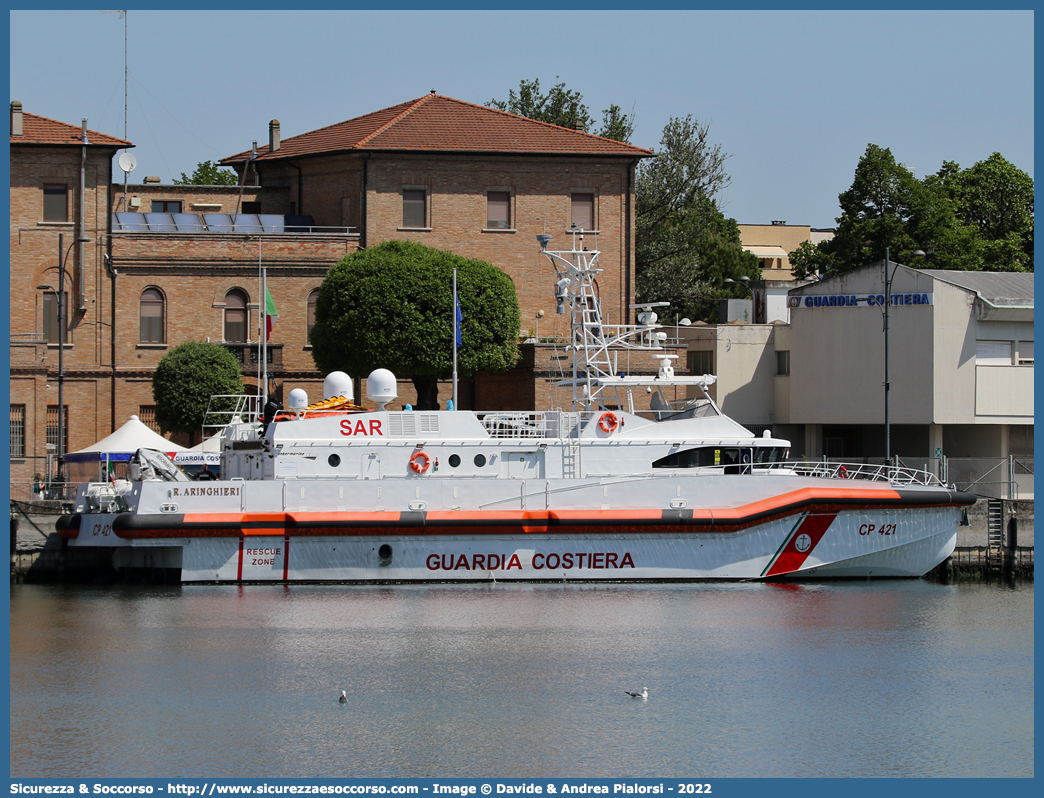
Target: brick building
61	185
445	173
466	178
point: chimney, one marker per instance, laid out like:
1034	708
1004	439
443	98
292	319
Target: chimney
83	132
579	125
273	135
16	118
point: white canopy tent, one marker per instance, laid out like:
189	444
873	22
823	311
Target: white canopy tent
86	464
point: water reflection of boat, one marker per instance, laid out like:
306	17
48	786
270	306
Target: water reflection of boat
604	491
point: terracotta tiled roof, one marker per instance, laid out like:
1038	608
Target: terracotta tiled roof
41	130
434	123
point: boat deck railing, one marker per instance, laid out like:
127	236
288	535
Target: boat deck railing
231	409
550	424
895	475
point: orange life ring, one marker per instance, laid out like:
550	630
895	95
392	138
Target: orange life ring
608	422
419	462
842	472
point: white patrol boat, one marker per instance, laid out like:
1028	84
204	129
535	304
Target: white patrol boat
602	492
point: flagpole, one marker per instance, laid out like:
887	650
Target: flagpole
262	324
264	331
454	342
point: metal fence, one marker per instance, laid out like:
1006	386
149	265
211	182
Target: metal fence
993	477
36	491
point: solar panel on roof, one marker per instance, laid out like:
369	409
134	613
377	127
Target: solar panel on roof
271	222
299	224
160	222
131	222
246	223
218	222
188	222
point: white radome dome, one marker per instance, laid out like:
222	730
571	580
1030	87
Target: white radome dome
337	383
298	399
381	387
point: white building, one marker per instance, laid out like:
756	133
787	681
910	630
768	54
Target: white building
960	365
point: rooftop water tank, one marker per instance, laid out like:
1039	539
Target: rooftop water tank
337	383
381	387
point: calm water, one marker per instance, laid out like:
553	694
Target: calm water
903	678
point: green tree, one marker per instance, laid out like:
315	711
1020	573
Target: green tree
616	125
186	379
684	245
565	108
974	219
996	199
209	174
390	306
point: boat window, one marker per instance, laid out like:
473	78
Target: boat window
480	460
334	460
769	454
706	456
454	460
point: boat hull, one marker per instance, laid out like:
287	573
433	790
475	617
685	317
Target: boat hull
817	541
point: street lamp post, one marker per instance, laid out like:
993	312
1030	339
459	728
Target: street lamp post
63	257
745	282
887	305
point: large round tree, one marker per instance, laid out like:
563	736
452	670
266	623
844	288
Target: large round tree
391	306
184	381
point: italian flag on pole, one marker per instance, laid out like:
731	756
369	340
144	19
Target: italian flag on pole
271	314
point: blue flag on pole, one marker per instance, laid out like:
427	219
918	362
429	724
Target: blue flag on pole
460	318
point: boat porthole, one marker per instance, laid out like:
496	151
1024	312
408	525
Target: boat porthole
334	460
454	460
480	460
385	552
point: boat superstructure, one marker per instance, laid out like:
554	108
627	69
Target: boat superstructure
330	491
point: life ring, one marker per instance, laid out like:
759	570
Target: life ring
419	462
608	422
842	472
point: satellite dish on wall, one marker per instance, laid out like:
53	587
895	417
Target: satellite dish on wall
127	162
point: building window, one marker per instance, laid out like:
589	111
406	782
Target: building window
701	362
147	416
150	316
498	210
17	430
993	353
50	317
1025	353
166	206
582	211
55	202
783	363
251	207
414	208
312	297
235	317
52	428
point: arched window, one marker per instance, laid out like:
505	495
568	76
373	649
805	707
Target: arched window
150	317
312	297
235	317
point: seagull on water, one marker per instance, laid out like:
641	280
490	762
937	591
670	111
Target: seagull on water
644	695
344	697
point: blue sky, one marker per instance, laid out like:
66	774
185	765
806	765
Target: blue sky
793	96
